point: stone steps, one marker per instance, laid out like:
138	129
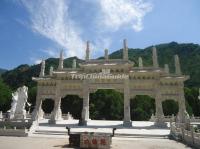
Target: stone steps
63	134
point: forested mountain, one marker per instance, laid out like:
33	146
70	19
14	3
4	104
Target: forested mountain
189	55
2	70
22	75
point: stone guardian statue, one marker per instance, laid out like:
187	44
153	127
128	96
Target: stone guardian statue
19	100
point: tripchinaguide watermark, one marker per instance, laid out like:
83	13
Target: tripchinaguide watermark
99	76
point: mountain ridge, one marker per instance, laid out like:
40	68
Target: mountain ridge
189	55
2	70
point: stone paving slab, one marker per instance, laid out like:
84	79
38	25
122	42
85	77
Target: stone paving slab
117	143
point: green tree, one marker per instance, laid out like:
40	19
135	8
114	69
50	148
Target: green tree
142	107
170	107
106	104
72	104
5	97
192	101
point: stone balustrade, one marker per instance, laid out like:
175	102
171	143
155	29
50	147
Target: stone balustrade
13	132
173	118
67	116
189	137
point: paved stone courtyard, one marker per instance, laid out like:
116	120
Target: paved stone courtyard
142	135
117	143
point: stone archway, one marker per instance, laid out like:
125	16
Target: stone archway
106	104
142	107
72	104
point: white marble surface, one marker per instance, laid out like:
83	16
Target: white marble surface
139	128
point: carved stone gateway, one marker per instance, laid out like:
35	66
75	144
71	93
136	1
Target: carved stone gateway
119	74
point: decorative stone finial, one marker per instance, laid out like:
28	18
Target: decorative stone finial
177	65
51	71
74	64
140	62
60	66
125	50
106	54
166	68
155	57
42	68
87	57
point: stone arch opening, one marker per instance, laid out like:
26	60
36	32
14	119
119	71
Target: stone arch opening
170	107
47	105
142	107
106	104
72	104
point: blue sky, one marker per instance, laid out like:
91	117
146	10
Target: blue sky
39	29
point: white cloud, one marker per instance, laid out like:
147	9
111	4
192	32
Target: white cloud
118	13
51	52
50	18
36	60
100	45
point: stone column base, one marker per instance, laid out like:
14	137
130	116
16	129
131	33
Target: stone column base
82	122
127	123
20	115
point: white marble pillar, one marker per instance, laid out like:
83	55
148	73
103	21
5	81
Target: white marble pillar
177	65
85	111
74	64
61	60
1	115
56	114
159	111
155	57
166	68
51	71
127	116
140	62
125	50
36	114
106	54
182	108
87	52
42	69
